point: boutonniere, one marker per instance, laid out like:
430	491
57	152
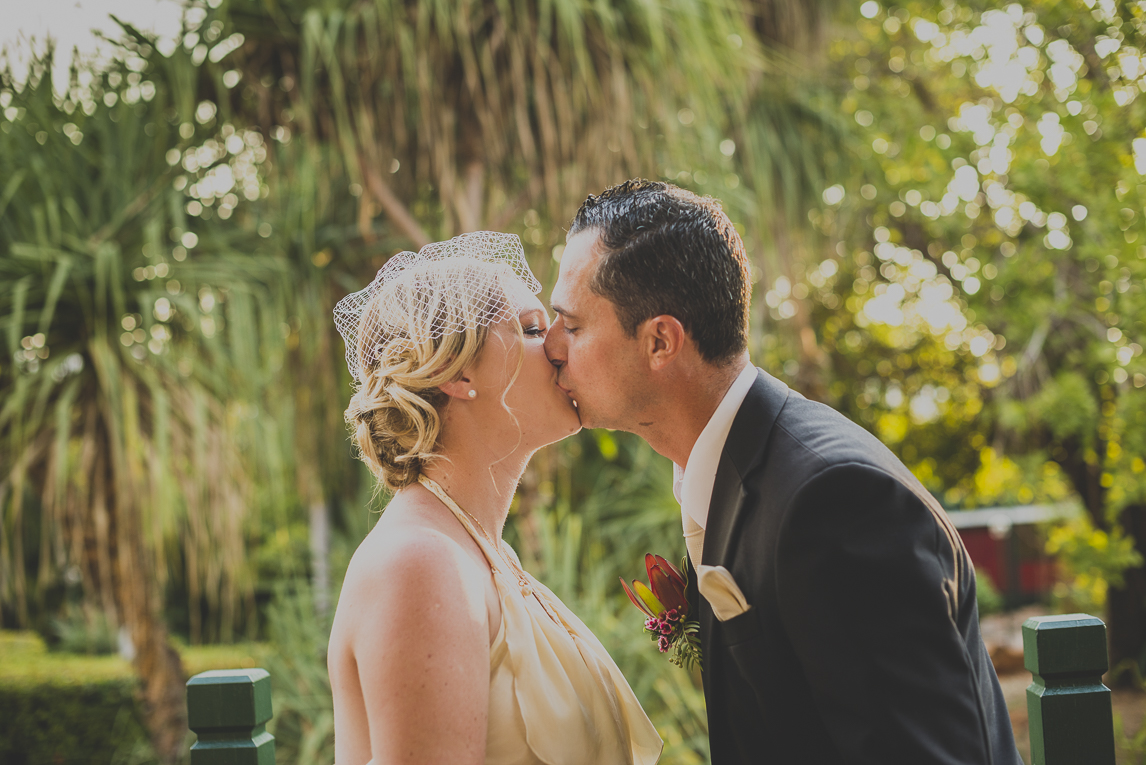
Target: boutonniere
665	606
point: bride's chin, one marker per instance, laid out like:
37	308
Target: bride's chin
572	427
555	435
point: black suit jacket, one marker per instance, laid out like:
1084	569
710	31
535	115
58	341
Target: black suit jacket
862	642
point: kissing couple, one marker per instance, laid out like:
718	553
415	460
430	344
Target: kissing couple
835	601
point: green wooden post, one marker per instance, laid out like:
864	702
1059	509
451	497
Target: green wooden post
1069	707
228	709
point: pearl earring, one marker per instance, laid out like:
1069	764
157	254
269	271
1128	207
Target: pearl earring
473	393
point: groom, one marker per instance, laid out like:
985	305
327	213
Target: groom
847	631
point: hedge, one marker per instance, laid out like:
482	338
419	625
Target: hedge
62	709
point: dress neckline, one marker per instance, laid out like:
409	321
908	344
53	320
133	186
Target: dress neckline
523	579
484	542
555	693
463	517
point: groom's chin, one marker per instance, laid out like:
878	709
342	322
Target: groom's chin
588	421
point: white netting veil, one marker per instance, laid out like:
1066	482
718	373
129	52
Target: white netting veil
463	283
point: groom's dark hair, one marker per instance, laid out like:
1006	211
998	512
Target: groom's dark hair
668	251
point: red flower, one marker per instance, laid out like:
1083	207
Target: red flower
664	593
665	606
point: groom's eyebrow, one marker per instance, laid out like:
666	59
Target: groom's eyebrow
563	312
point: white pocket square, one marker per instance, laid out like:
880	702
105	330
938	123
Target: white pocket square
719	589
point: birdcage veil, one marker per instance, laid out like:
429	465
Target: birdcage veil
445	287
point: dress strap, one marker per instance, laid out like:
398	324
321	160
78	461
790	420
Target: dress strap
512	567
463	518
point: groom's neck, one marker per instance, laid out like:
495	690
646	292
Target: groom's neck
686	403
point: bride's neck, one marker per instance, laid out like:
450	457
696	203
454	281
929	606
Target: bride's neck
481	487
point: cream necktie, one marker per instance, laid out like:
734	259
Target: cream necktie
693	539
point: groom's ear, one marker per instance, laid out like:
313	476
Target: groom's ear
662	339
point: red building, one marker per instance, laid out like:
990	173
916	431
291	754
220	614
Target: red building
1008	544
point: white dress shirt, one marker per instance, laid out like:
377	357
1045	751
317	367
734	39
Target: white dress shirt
692	485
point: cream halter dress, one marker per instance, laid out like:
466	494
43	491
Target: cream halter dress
555	695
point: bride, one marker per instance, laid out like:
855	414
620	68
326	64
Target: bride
443	649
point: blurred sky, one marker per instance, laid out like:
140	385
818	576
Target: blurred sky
73	25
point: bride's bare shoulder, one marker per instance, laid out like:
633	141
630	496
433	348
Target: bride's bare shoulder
414	553
413	602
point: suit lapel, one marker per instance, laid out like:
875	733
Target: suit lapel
743	451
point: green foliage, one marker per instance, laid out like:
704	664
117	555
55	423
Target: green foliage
60	707
26	663
86	723
1092	560
478	128
80	630
129	335
987	595
1068	406
303	724
1127	457
991	223
1002	481
987	287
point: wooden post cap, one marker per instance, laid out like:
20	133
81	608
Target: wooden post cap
228	709
1071	720
1055	645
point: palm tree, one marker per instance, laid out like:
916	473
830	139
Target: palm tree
451	117
446	118
121	417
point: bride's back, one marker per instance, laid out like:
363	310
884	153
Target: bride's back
418	587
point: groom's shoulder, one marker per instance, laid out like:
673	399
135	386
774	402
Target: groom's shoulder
826	432
808	437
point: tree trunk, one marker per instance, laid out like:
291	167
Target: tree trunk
140	602
1126	605
320	558
528	499
17	536
157	664
468	198
164	705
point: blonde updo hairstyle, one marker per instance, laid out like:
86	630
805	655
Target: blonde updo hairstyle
396	413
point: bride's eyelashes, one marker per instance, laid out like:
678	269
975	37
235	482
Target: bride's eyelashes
534	330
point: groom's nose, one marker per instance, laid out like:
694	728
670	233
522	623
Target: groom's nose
555	343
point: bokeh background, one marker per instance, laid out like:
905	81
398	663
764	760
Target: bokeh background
942	201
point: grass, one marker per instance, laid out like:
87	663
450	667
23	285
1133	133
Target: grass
25	661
